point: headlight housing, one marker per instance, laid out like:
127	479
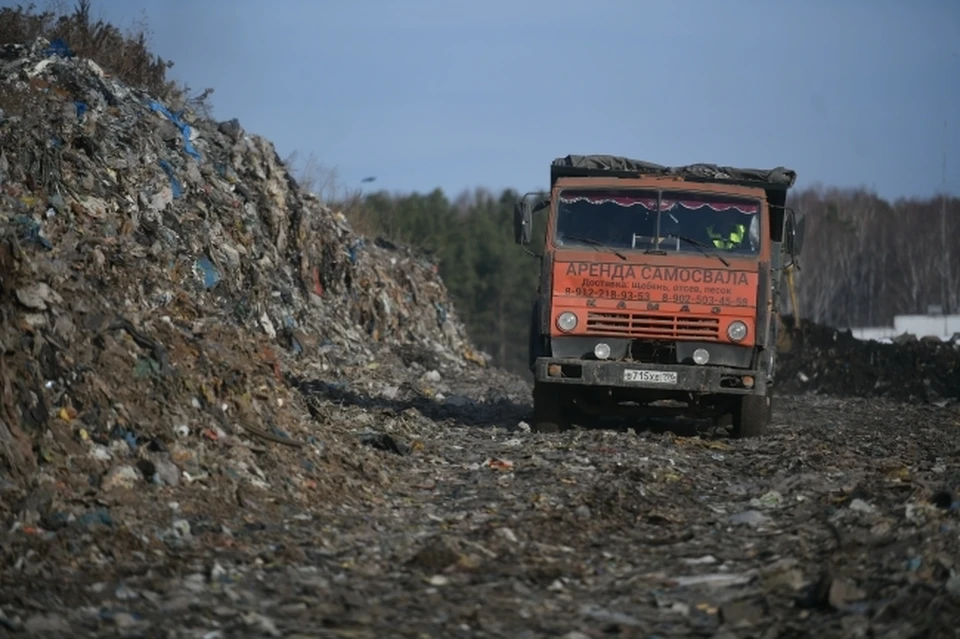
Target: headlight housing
566	321
737	331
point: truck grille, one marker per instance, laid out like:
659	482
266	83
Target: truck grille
656	326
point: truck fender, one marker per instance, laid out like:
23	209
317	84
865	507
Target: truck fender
538	343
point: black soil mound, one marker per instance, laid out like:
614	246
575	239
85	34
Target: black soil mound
821	359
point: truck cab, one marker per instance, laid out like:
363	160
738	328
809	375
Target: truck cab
659	290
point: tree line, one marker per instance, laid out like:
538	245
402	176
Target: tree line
866	259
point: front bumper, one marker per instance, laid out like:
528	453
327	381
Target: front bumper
696	379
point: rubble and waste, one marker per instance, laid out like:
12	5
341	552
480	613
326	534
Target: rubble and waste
821	359
158	267
224	413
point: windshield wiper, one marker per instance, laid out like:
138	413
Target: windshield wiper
599	245
700	246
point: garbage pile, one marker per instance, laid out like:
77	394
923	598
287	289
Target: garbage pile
821	359
160	273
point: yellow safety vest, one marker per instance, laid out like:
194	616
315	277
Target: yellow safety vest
732	240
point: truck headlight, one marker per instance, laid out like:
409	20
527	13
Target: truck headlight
601	351
566	321
737	331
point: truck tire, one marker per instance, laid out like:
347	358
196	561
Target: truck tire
751	414
549	414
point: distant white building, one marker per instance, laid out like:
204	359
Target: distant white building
931	325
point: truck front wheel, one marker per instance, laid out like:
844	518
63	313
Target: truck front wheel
751	414
549	409
537	343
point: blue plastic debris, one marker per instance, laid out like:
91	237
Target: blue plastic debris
30	231
295	345
126	435
81	108
174	182
99	516
353	250
210	275
59	47
183	126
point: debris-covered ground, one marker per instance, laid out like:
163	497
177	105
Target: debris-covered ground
454	521
224	414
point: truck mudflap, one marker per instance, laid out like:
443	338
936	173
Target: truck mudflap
667	377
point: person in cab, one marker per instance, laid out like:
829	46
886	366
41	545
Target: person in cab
730	237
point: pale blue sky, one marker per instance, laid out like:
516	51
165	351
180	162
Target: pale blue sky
456	94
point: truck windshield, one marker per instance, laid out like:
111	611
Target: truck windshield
658	221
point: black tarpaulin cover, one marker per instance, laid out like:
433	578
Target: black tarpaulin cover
585	165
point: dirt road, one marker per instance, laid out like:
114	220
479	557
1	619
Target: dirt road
452	520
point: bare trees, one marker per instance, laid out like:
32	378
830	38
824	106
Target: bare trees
866	260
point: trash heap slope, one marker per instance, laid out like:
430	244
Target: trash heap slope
158	270
830	361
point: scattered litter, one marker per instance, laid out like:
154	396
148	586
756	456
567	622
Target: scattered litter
748	518
223	407
714	580
498	464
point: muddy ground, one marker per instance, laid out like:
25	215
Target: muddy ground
450	519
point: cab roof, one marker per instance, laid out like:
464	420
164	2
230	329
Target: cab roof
774	181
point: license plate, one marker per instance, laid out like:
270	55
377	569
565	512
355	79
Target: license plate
649	377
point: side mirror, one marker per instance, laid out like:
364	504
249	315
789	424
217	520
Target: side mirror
789	233
523	222
798	235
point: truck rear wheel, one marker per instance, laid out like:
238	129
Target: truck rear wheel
751	414
549	409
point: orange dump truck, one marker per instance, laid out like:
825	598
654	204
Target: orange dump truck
659	290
